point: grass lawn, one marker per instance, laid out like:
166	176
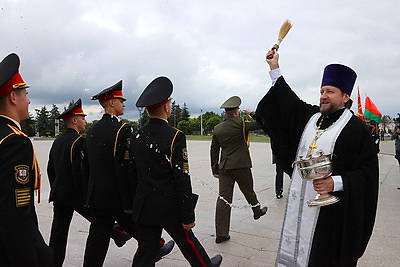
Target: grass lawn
255	138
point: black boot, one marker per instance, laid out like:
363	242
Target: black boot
260	213
165	250
119	235
220	239
216	261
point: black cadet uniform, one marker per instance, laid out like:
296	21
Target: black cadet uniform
163	198
65	174
21	243
65	177
109	190
64	170
108	187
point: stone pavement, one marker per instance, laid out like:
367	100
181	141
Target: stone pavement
253	243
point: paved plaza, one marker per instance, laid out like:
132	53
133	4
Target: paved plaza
253	243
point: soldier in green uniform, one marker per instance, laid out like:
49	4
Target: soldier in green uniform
21	243
230	163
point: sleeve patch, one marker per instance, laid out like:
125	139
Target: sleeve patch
127	155
184	154
186	167
22	197
22	174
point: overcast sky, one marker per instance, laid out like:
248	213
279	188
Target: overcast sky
210	50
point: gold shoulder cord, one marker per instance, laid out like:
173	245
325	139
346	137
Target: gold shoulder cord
116	138
1	141
35	162
72	147
172	145
246	138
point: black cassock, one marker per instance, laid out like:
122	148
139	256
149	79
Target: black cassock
343	229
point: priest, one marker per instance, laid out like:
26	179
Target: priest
335	234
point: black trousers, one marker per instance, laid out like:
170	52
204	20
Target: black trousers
62	216
22	244
102	221
149	236
278	178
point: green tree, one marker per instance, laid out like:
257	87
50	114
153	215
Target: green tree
134	124
53	114
194	124
211	122
185	113
144	118
43	121
28	125
191	126
208	115
184	126
176	115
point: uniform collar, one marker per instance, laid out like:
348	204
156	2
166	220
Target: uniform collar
72	130
158	120
111	116
14	121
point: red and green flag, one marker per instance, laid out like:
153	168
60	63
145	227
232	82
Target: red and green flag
371	112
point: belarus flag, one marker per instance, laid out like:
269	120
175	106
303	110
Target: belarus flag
371	111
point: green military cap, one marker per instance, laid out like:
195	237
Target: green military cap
232	102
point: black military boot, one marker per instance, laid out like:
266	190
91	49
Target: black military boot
259	213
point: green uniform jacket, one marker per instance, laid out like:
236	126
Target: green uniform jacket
230	137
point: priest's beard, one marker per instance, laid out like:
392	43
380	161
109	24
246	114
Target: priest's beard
330	108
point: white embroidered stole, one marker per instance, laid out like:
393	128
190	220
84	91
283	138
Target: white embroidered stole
300	219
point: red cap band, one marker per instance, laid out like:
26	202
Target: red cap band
111	95
77	111
158	105
12	84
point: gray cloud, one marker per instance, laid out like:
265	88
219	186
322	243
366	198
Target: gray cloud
210	49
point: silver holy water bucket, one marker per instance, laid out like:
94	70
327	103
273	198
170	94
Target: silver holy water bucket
317	168
314	168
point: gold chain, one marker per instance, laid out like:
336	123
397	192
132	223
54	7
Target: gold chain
313	145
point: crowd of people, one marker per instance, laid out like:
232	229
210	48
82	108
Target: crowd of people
137	184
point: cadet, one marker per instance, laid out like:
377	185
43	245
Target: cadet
163	198
64	171
109	191
21	243
230	138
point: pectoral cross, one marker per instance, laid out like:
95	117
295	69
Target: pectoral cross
312	147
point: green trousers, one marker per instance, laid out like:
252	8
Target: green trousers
227	179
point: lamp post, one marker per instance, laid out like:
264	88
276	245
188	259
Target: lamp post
56	127
140	109
201	122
